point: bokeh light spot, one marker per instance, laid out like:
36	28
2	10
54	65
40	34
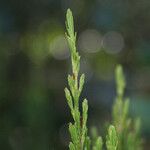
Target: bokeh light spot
90	41
113	42
59	48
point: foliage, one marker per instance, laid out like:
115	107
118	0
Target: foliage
123	135
78	129
127	129
111	139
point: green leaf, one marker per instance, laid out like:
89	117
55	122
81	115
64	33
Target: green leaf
125	110
81	82
84	109
98	144
70	23
120	80
111	138
69	98
87	143
84	121
71	146
74	135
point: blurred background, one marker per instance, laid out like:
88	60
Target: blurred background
34	63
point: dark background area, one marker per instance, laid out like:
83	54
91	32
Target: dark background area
34	63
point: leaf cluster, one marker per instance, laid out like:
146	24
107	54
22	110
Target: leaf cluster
124	135
128	130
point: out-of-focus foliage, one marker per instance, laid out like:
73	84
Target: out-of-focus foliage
128	130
